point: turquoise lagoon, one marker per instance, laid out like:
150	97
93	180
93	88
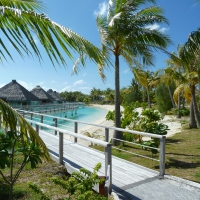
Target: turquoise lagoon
87	114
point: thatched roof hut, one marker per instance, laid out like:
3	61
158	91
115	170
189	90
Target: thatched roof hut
14	92
41	94
55	95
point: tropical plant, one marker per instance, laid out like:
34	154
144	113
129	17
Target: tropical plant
134	92
93	135
163	100
18	138
190	55
125	32
79	186
21	21
167	79
109	95
188	75
147	79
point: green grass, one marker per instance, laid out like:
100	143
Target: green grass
182	160
42	177
182	155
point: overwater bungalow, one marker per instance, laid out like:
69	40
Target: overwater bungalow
16	95
42	95
57	98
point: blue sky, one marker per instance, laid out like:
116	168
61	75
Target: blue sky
79	16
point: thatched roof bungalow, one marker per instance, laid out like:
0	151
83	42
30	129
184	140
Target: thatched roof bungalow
55	96
42	95
15	94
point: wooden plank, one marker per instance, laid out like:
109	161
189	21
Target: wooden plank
77	156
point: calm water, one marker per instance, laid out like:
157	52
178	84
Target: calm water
86	114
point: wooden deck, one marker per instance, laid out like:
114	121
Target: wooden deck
124	174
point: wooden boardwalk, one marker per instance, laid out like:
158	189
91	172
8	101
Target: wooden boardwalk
124	174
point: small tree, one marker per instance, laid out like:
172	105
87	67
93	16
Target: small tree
20	140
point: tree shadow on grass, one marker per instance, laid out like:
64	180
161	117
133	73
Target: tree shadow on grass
181	164
172	141
186	155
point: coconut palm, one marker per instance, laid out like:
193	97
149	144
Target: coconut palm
125	31
147	79
168	80
188	77
21	21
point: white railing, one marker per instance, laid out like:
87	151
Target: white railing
107	146
162	138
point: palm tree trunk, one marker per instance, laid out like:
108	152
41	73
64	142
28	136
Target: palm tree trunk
148	95
183	102
192	122
195	107
117	134
170	94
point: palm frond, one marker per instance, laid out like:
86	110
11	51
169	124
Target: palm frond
16	123
17	24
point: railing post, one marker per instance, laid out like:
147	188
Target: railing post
75	130
60	148
162	156
37	128
41	120
108	161
56	124
106	134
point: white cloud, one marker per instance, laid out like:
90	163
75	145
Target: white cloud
79	82
103	7
41	83
153	27
2	84
126	71
65	83
84	74
53	81
67	88
28	86
164	29
157	27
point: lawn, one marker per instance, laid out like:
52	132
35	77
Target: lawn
182	155
182	160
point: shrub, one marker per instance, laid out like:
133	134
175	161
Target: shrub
183	112
79	185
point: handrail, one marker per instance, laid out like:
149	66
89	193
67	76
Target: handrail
98	125
162	138
100	142
107	146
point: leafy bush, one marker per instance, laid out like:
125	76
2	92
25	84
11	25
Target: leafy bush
110	115
183	111
129	137
151	115
151	143
79	185
156	128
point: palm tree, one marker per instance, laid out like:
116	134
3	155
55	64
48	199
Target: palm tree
189	76
125	32
21	22
147	79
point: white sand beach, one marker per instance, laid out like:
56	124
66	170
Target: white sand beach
172	122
